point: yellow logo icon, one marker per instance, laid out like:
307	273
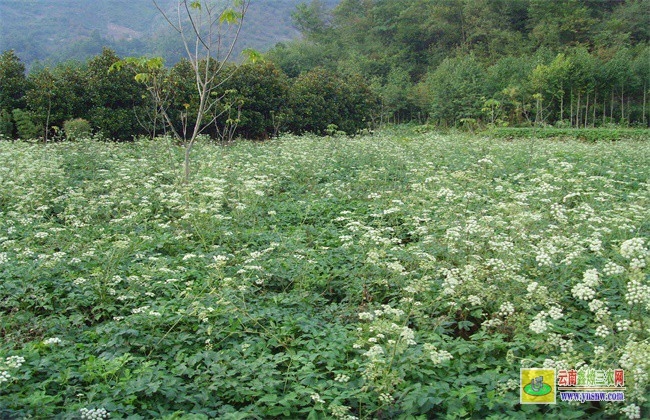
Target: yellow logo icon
537	386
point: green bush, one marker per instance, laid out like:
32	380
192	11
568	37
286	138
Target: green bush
321	98
6	124
261	89
584	134
25	125
457	90
76	129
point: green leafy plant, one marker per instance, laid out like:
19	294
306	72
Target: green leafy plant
25	126
77	129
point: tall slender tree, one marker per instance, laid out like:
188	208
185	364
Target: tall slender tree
209	31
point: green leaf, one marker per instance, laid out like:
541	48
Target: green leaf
253	55
230	16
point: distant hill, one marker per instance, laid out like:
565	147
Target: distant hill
60	30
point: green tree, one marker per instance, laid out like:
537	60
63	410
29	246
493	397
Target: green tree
553	81
457	89
25	126
40	98
6	124
641	71
209	31
12	80
561	23
114	95
321	98
262	90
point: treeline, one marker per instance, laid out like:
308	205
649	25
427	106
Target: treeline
517	62
366	63
258	100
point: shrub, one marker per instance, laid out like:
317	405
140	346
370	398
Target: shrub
6	124
76	129
457	91
584	134
321	98
262	90
25	125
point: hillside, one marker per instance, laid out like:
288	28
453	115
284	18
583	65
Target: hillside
60	30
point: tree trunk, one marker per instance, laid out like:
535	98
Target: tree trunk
645	97
47	120
587	111
578	111
593	120
571	109
622	103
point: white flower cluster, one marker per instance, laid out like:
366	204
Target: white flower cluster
317	398
599	308
506	309
375	353
565	345
79	281
634	248
385	398
602	331
637	263
366	316
52	341
93	413
632	411
558	212
14	361
637	293
4	376
509	385
341	378
635	251
623	325
612	269
408	335
537	292
636	360
539	324
584	290
341	412
555	312
474	300
591	278
595	245
140	310
543	259
437	356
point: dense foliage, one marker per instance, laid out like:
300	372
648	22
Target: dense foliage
570	63
257	100
373	277
321	100
461	63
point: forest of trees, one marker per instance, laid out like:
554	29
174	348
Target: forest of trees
570	62
370	62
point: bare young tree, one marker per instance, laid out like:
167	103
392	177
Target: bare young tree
209	30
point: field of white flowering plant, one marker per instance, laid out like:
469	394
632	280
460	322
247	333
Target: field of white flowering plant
396	275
